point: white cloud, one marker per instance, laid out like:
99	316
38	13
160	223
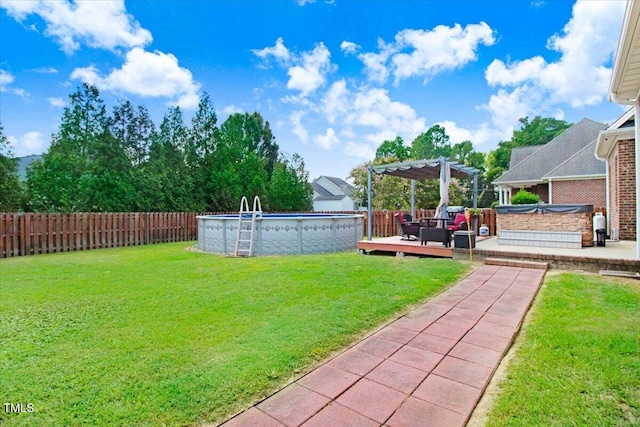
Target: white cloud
581	76
6	79
303	2
374	108
279	51
98	24
349	47
6	85
310	74
45	70
297	127
328	140
507	107
443	48
533	86
483	134
335	101
28	144
307	71
57	102
360	150
230	110
147	74
426	53
376	63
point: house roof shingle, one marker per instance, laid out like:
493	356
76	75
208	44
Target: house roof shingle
320	189
339	182
518	154
583	163
537	165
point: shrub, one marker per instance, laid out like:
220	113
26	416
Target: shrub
524	197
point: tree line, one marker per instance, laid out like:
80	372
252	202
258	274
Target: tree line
394	193
122	162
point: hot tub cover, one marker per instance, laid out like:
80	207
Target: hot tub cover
543	208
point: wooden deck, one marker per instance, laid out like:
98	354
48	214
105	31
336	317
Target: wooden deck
413	247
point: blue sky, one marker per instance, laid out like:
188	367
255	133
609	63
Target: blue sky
334	78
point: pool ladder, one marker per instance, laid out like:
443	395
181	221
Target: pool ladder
247	226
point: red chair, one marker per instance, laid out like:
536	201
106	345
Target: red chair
408	229
459	223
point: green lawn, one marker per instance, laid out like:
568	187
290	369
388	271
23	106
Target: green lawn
579	359
155	335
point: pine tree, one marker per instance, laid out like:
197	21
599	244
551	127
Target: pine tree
11	192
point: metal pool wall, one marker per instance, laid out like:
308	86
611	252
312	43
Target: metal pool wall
283	234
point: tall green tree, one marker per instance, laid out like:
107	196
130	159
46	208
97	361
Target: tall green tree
432	144
289	188
168	184
200	155
243	160
54	184
395	148
108	183
134	129
11	191
464	153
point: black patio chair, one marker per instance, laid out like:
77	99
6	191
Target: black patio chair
408	229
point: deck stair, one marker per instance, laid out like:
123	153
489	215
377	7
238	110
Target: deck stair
516	263
247	226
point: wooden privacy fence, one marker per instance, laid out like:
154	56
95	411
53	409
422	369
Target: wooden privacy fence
40	233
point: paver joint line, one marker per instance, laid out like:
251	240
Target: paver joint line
401	374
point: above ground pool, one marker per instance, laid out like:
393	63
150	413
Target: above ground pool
283	234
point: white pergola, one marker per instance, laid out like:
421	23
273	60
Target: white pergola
418	169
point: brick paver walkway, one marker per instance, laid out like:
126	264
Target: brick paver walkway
428	368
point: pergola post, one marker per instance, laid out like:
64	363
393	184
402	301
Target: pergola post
413	198
475	190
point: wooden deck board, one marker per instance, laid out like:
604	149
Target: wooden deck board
395	244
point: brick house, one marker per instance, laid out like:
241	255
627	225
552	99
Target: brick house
562	171
618	145
616	148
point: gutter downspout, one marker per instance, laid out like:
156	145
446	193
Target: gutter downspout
607	195
369	205
637	155
550	192
607	189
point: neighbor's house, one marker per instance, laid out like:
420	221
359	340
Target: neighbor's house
333	194
24	163
562	171
618	145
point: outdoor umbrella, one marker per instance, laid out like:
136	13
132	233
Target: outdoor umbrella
445	178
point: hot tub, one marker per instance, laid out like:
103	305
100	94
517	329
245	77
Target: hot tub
283	234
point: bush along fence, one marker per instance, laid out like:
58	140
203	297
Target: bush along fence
41	233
